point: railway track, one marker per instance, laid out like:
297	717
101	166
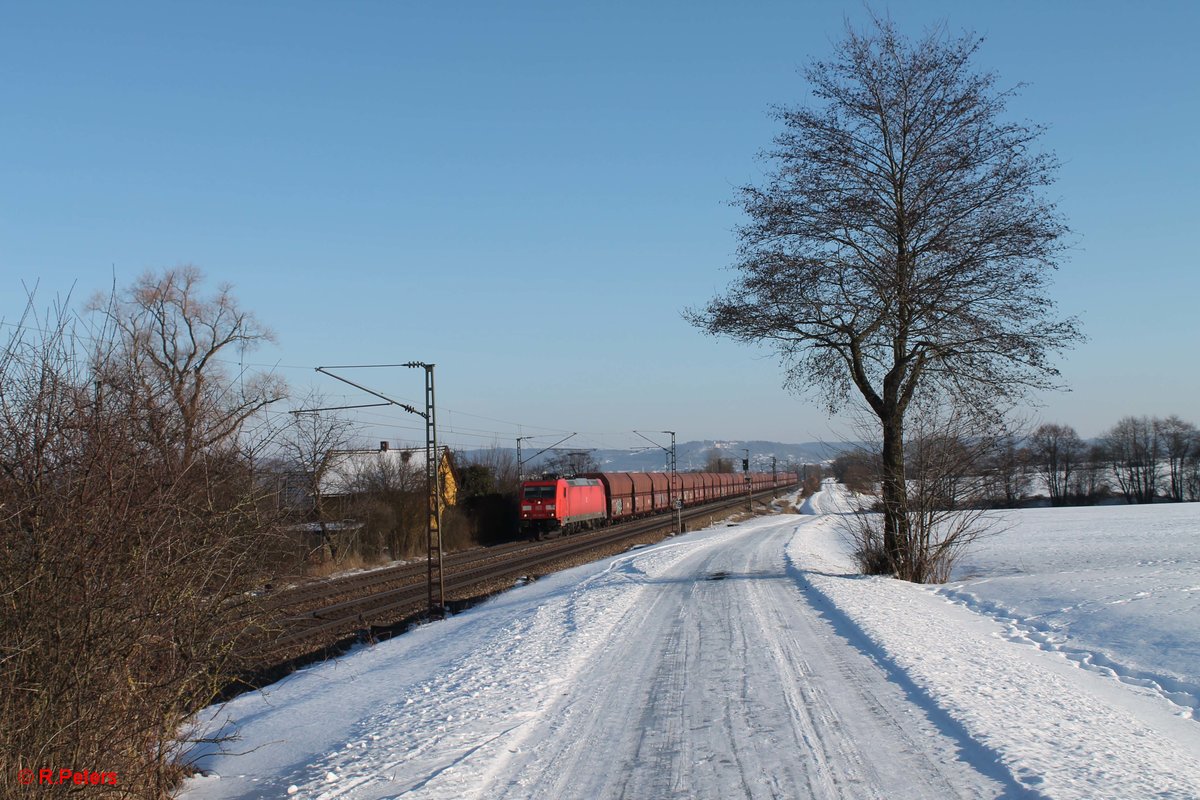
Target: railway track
311	617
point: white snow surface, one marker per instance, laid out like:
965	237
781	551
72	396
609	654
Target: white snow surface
748	661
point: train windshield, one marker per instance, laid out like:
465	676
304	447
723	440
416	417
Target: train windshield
540	492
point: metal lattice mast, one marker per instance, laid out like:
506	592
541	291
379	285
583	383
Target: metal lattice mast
433	475
673	500
433	480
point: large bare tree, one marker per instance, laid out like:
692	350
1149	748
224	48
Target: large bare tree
900	243
175	344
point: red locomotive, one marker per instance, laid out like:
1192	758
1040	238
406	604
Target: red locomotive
561	504
570	504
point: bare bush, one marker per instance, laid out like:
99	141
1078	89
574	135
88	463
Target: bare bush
948	452
857	469
396	497
132	527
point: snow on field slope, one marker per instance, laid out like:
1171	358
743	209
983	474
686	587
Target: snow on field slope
1115	589
744	662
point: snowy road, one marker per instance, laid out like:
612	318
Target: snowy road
734	662
733	687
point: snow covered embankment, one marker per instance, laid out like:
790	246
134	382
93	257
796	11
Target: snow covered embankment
1061	731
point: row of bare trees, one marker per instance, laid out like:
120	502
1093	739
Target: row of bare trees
355	506
1143	459
132	520
960	465
1140	459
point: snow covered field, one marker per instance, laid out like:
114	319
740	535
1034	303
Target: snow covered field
744	661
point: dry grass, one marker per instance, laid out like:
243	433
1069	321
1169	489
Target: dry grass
347	562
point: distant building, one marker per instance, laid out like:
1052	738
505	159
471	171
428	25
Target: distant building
347	473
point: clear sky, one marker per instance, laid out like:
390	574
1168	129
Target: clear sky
529	193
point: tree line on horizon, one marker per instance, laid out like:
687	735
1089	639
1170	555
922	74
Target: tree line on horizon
1140	459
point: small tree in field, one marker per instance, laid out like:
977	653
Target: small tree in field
899	245
714	461
307	446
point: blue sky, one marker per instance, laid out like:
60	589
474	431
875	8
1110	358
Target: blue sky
529	193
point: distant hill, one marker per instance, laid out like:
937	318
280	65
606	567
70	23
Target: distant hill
693	456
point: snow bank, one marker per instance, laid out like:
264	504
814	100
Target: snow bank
1061	731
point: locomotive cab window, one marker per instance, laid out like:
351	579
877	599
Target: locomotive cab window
539	492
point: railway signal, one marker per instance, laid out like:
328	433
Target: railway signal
746	472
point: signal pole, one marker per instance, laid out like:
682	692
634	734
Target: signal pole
749	487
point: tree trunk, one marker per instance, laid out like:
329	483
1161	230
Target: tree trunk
895	496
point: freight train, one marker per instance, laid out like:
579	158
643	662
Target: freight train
565	505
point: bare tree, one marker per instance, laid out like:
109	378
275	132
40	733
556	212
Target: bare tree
1091	476
1006	472
391	498
901	243
570	463
1133	451
492	470
1056	451
1179	441
169	368
714	461
1191	473
488	489
308	443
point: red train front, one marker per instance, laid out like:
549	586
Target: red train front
561	504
